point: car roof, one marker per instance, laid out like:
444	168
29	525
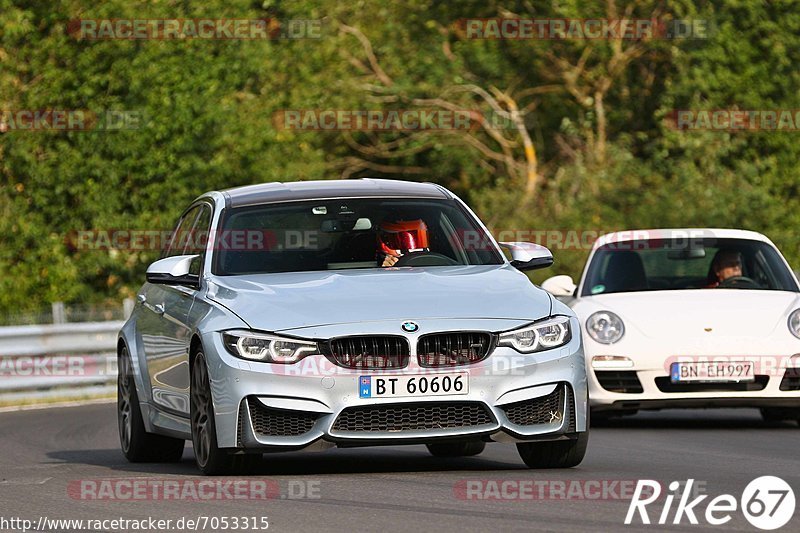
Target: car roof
668	233
326	189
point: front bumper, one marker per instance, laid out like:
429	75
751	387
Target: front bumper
633	389
314	404
647	384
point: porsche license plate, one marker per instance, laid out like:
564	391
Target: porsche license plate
712	372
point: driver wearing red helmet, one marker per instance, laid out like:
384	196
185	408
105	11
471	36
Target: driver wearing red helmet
396	239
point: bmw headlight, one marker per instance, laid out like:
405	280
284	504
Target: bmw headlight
794	323
605	327
545	335
267	348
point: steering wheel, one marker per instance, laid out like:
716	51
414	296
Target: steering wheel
424	259
738	282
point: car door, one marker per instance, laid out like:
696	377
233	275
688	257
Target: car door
166	341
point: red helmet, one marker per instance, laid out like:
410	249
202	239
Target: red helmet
403	236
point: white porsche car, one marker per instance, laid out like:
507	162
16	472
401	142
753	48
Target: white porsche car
688	318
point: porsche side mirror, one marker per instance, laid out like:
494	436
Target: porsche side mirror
559	285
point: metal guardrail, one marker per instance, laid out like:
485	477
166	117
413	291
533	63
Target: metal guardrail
61	313
64	361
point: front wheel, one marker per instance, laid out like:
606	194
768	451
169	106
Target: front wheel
211	460
554	454
456	449
138	445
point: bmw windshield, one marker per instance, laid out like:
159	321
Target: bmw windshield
349	233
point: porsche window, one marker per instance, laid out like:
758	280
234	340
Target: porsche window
670	264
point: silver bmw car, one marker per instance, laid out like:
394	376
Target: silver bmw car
309	315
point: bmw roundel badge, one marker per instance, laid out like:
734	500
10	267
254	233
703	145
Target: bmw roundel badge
410	327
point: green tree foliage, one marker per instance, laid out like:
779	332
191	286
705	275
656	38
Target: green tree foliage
594	151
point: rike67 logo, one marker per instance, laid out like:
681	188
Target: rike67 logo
767	503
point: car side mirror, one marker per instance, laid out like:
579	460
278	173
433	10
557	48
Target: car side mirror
559	285
528	256
174	271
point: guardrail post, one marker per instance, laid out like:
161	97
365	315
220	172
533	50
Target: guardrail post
59	314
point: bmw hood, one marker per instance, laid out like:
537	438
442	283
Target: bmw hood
275	302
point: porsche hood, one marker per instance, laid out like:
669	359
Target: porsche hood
670	315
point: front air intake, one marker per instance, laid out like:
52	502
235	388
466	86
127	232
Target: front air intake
413	417
453	349
368	352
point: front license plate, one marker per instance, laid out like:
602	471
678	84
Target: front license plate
712	372
409	386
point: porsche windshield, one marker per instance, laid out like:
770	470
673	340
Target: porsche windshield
349	233
708	263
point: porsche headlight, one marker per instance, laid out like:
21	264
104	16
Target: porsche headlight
605	327
794	323
551	333
267	348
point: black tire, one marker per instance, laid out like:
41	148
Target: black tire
780	414
554	454
138	445
599	418
210	458
456	449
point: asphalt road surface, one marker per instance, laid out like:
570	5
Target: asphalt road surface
54	462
